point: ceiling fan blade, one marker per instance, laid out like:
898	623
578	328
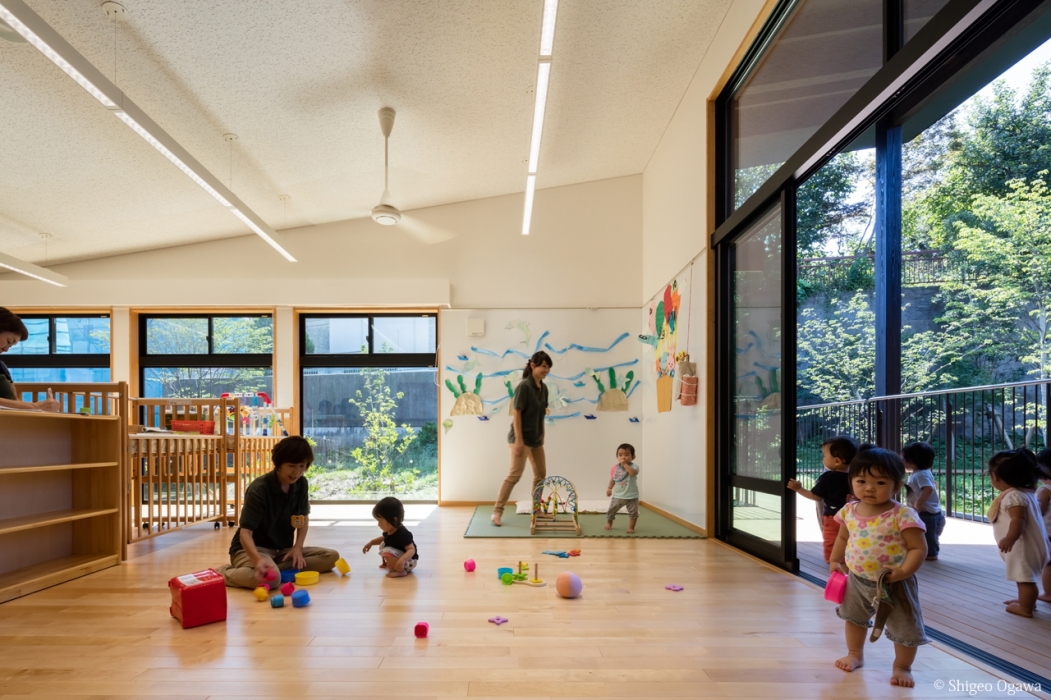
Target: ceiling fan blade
423	231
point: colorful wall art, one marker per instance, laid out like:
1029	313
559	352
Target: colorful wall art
662	335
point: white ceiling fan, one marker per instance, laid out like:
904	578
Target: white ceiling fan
385	213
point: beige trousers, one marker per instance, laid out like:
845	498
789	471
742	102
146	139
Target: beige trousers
535	455
240	572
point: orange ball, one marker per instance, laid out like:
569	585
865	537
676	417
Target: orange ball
568	585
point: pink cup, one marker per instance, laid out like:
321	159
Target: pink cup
836	587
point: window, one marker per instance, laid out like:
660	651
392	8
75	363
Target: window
62	349
201	356
369	401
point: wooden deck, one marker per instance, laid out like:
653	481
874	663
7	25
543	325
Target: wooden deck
962	593
739	629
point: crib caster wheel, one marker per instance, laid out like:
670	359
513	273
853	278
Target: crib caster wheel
230	523
217	526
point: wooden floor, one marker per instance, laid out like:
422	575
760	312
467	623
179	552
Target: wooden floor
962	594
739	629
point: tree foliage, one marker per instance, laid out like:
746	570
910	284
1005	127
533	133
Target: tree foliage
384	438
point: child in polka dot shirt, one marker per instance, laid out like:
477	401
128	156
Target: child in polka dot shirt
877	533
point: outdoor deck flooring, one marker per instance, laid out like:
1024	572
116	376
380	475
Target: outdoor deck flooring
962	593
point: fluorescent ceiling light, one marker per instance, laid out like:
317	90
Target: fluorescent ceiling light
527	215
50	43
543	77
547	29
30	270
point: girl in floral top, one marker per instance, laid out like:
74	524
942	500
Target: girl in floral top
877	533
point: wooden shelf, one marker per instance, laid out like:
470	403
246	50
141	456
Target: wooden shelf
55	467
56	517
49	573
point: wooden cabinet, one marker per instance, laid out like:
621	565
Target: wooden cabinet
60	498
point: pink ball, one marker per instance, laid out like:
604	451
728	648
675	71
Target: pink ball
468	565
568	585
288	588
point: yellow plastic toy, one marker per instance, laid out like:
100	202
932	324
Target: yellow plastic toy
307	578
261	594
342	566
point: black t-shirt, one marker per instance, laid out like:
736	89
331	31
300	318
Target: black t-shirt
400	539
531	401
834	489
268	512
7	390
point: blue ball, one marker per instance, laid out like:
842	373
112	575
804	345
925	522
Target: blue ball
300	599
289	575
277	601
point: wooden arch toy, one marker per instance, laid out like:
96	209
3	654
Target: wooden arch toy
546	510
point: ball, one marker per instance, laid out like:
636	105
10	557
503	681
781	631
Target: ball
568	585
468	565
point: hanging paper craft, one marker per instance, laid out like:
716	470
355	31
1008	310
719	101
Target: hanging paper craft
522	326
468	403
663	331
614	398
447	424
687	380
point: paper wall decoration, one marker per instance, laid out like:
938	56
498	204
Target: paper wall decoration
468	403
447	424
614	398
663	329
522	326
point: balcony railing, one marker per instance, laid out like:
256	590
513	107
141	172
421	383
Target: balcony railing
919	268
964	426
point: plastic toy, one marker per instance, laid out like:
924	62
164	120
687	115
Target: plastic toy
673	587
508	579
261	594
468	565
278	601
342	566
198	598
504	570
307	578
422	628
564	555
568	585
300	599
545	511
836	587
271	574
574	552
524	578
288	588
498	620
289	575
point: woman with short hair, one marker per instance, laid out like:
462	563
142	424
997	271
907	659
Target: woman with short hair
13	332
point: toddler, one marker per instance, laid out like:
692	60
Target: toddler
878	534
923	493
832	488
1043	499
399	551
623	488
1018	525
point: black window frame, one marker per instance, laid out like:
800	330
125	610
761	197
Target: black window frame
55	360
209	359
910	80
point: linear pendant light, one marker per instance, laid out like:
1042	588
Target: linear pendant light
50	43
543	79
30	270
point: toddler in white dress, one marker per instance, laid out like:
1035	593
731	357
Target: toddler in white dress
1018	525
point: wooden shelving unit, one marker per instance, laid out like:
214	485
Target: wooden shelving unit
60	498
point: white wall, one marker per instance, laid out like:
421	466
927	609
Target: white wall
582	250
675	234
474	453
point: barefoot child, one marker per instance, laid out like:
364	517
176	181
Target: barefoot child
398	551
1018	525
923	493
877	533
1043	499
833	487
623	488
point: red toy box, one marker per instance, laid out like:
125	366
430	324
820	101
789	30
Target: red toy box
198	598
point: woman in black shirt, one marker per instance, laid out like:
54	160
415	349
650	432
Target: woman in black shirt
12	332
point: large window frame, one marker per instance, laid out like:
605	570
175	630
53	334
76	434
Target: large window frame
200	360
912	73
55	360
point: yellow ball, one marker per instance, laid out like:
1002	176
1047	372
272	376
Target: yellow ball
260	594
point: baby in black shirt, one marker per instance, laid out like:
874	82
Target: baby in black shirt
399	551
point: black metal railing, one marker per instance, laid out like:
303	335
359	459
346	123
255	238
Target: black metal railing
964	426
919	268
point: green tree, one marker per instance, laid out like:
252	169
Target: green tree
823	209
385	439
189	336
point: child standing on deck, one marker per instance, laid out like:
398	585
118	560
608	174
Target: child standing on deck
1043	499
623	487
1018	525
832	487
880	537
923	493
